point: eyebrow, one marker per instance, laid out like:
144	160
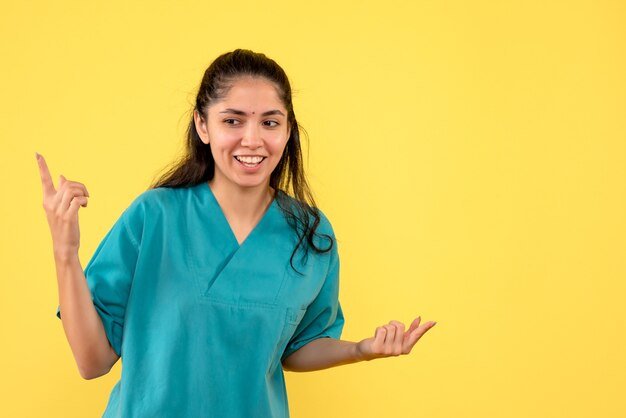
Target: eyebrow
242	113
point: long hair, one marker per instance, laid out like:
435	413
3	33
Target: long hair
288	179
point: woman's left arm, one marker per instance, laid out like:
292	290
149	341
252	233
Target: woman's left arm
388	340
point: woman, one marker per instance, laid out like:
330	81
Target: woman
219	276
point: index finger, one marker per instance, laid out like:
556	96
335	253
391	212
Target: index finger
416	334
46	179
414	324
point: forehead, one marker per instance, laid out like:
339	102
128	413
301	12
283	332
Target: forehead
251	94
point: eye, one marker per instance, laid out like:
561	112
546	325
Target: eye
270	122
231	121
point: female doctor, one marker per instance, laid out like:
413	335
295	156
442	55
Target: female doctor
221	275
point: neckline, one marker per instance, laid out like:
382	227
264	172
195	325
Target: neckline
224	220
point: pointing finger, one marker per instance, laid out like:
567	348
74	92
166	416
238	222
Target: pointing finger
46	179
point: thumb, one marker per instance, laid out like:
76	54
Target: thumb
62	180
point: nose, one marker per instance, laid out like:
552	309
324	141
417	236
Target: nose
252	136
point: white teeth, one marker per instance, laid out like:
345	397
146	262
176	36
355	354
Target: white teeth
249	160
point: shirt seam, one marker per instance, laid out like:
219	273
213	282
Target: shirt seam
132	238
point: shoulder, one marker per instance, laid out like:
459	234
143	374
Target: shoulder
160	197
325	237
325	226
152	204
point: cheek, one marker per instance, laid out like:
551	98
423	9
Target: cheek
277	144
277	151
224	143
221	154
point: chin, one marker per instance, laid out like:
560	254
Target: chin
251	183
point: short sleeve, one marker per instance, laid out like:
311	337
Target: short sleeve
324	316
109	275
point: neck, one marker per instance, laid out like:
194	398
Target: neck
242	204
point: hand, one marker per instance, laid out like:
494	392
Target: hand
61	208
391	340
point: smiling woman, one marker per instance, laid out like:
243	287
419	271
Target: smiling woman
221	275
244	111
247	141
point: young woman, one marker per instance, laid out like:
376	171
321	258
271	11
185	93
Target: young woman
221	275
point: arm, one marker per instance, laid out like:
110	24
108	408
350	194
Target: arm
388	340
316	343
321	353
82	325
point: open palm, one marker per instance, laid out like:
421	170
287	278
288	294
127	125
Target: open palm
392	340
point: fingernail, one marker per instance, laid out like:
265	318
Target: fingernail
36	155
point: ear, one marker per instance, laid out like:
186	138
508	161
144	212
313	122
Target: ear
201	126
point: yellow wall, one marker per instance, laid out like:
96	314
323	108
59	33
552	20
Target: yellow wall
471	156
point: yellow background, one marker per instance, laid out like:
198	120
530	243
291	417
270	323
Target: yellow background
471	156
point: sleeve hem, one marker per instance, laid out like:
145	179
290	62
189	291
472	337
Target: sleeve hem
301	344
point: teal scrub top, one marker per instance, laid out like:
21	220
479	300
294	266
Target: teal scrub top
202	323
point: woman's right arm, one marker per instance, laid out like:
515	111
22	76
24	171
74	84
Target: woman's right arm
82	325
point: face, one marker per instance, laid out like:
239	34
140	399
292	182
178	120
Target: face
247	131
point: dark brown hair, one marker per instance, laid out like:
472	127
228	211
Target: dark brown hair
288	178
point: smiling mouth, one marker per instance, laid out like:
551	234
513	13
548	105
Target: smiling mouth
249	161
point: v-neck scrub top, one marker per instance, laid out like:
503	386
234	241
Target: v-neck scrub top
202	323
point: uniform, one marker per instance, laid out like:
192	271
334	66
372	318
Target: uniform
202	323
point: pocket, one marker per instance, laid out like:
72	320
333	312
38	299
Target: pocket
293	317
238	343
